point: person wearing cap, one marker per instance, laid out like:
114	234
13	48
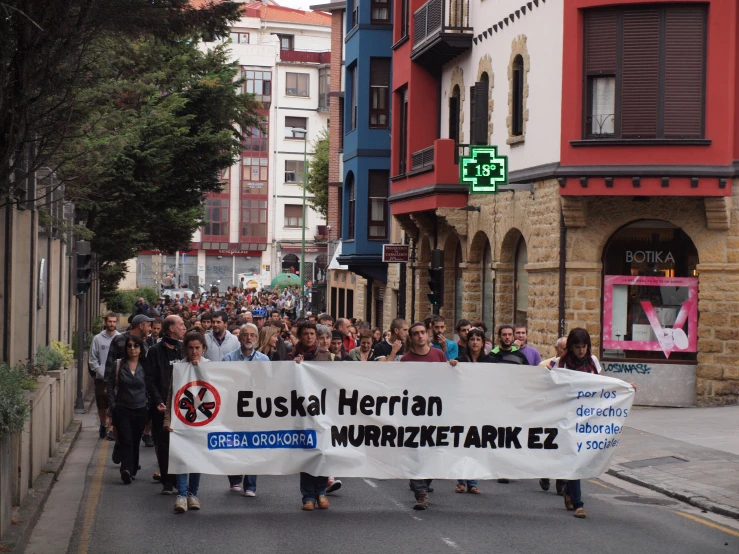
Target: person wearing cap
259	315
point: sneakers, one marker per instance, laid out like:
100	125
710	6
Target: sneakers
333	485
235	488
250	493
180	505
168	489
148	441
579	513
192	502
322	502
422	501
568	501
559	484
544	484
102	431
109	436
126	476
309	506
157	477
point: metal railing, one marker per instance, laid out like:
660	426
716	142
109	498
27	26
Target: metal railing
423	159
437	16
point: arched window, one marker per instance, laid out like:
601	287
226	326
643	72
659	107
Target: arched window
351	195
487	285
458	285
521	276
517	96
290	264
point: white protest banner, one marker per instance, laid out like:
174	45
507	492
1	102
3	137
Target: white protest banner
394	420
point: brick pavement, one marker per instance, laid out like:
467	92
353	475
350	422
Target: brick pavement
691	454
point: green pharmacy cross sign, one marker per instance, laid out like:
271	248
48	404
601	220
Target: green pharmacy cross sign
484	170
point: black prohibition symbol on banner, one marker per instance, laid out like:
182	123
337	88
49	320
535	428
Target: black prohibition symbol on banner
395	420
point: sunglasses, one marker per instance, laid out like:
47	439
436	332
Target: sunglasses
132	346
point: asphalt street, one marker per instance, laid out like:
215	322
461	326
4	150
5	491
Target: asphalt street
369	516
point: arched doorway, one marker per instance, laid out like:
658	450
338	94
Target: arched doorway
319	267
487	285
290	264
521	283
650	293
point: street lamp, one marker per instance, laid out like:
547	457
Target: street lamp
302	246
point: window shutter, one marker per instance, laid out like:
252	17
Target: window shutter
480	135
640	74
473	113
378	184
454	118
601	37
684	60
380	72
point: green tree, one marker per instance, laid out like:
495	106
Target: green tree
159	124
318	175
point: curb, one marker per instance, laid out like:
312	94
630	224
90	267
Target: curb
684	496
29	512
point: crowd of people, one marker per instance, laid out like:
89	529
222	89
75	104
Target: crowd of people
133	371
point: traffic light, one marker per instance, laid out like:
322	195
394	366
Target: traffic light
436	280
84	266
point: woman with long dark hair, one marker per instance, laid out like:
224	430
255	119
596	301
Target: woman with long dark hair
578	357
128	405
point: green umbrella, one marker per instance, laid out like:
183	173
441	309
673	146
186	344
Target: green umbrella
284	280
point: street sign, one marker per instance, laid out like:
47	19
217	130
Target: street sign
484	170
394	253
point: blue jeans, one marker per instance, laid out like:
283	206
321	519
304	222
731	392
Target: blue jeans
467	482
188	483
312	487
574	491
250	481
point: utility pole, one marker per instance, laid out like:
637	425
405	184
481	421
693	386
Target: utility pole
302	247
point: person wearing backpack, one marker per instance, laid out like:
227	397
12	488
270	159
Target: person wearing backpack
128	405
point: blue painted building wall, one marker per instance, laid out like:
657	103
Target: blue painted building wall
365	148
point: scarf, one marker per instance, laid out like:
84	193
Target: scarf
307	353
571	361
172	342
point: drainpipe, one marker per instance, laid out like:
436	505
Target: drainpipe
6	283
562	272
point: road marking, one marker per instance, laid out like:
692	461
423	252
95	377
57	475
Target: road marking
405	509
450	543
600	484
709	524
93	497
370	483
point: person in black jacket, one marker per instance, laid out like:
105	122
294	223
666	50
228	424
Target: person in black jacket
126	388
162	356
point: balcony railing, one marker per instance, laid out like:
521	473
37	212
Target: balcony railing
423	159
305	56
440	16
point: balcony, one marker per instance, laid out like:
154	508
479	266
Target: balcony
441	32
305	56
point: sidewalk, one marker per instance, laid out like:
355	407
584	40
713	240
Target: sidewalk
691	454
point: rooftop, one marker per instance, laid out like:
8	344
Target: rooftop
273	12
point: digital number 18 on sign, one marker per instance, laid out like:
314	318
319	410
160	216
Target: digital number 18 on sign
483	170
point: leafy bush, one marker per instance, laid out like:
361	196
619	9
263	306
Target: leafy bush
123	301
48	359
65	350
14	408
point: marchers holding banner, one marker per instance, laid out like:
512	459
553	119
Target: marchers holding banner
394	420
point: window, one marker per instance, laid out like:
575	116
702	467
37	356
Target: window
254	219
224	176
324	86
292	124
341	124
354	77
404	17
239	38
294	171
293	215
216	217
645	72
517	94
258	83
350	195
454	115
380	11
379	92
287	42
355	14
255	140
254	175
479	111
521	283
297	84
403	134
377	220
